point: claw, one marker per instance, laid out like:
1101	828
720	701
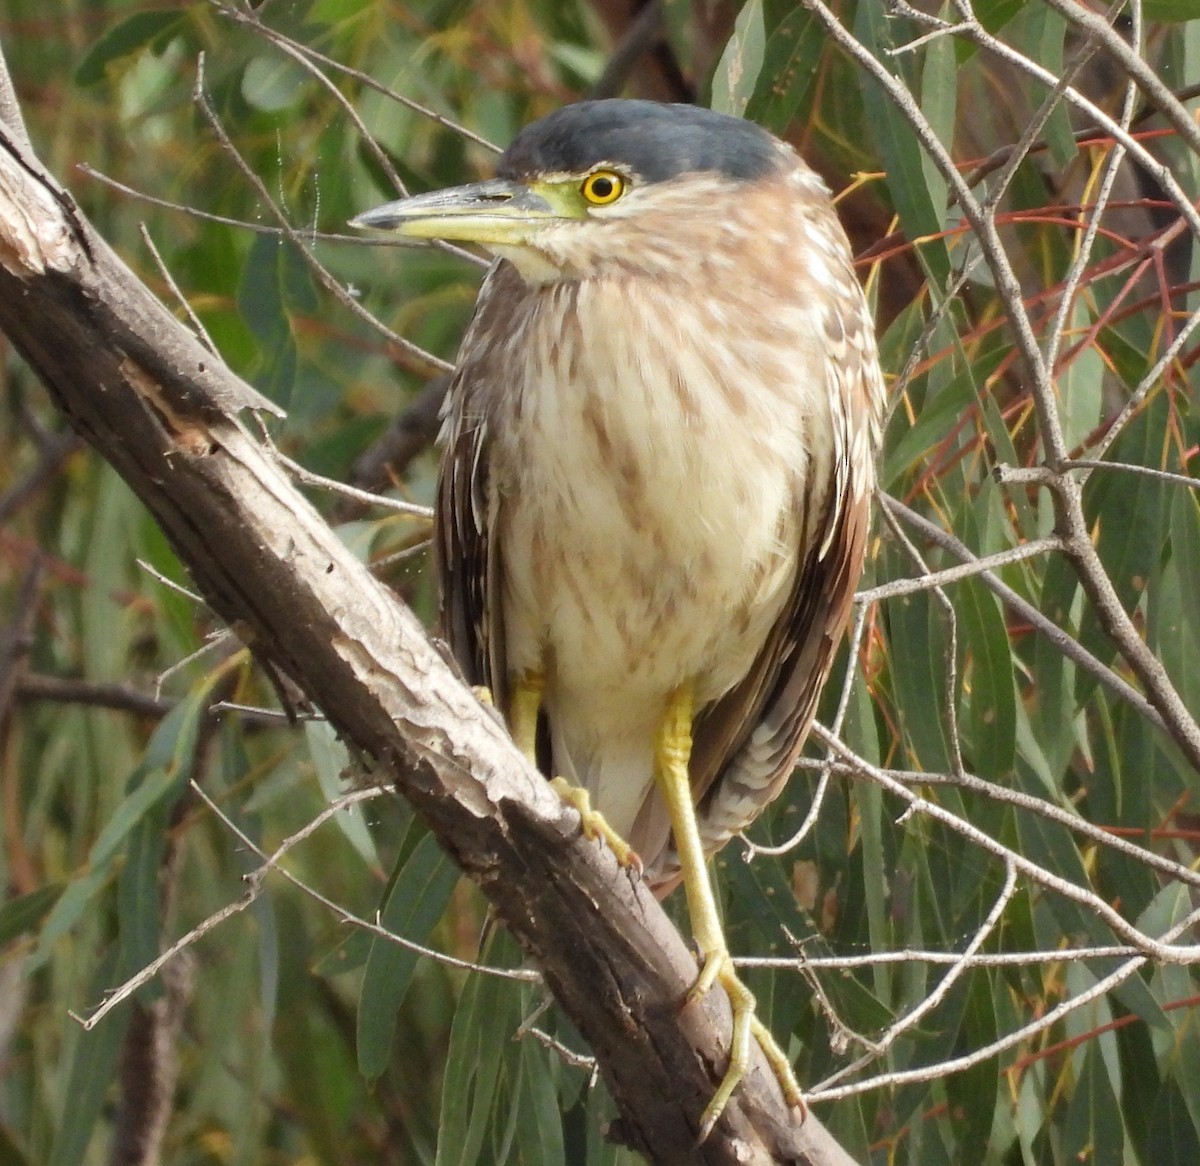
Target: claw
595	825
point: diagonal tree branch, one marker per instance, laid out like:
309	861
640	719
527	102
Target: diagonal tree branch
163	411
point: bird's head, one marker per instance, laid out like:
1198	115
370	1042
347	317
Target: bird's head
635	185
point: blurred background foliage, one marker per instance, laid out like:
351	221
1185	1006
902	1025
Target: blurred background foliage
287	1034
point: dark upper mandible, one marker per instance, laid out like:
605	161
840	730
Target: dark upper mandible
655	140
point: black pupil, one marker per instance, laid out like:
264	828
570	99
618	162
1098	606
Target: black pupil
602	187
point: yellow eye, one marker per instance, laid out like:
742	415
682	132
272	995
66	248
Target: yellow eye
603	187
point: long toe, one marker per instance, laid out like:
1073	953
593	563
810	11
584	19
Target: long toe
746	1026
594	823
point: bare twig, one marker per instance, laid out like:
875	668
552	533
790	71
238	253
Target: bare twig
250	19
293	236
970	570
1126	468
197	325
1153	948
964	961
1065	643
1067	492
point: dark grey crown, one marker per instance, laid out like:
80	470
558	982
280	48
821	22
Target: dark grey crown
654	140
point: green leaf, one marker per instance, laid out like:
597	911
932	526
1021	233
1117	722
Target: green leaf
1172	628
67	912
331	760
414	904
152	28
139	911
25	912
1169	11
164	771
167	767
93	1067
768	908
275	282
347	956
917	190
1053	701
738	70
1173	1139
273	83
790	65
1080	384
973	1094
539	1133
10	1153
993	698
917	642
1094	1132
1130	511
995	14
932	422
313	1063
1047	39
480	1038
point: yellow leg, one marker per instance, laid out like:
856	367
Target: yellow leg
526	704
523	716
674	754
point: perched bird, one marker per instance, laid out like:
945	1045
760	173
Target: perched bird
654	493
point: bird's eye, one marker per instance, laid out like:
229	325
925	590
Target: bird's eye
603	187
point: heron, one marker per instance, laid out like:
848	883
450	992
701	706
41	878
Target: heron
654	492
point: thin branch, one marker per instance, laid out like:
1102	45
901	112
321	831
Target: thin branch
1157	949
1124	467
1157	93
877	1048
910	955
1143	388
197	325
950	684
1027	1032
1066	644
986	564
366	497
118	697
250	19
1085	246
1004	795
318	269
255	880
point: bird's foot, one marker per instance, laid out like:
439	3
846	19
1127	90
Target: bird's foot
595	825
718	969
483	694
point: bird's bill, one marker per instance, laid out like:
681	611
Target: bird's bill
499	211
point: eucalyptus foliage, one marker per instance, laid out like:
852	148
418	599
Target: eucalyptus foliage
1012	702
